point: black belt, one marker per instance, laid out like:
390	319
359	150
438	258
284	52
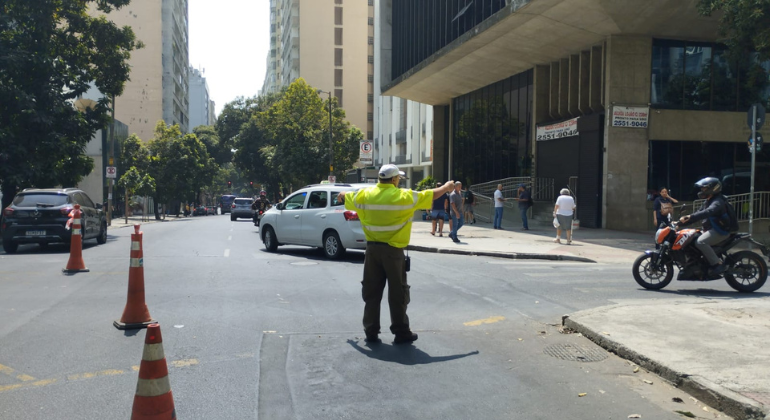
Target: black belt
376	243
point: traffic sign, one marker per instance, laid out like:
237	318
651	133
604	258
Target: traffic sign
760	116
332	179
112	172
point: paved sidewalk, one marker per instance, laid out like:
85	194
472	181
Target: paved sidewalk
713	347
133	220
588	245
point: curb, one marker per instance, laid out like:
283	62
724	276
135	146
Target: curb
149	222
513	256
716	396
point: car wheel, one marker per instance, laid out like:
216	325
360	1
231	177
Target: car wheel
271	242
333	248
10	246
233	218
102	238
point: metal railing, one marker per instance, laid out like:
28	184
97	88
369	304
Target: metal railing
741	203
542	188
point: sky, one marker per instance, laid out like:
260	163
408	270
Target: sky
229	39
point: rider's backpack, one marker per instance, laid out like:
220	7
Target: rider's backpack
731	224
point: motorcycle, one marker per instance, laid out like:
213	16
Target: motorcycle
746	270
258	217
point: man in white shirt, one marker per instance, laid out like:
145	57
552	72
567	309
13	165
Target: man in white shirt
499	200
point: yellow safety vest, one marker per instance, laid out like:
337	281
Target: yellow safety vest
386	212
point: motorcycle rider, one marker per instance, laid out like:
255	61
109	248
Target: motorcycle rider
715	222
260	205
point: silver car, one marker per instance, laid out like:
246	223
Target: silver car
312	216
241	208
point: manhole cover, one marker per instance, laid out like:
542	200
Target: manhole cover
304	263
575	353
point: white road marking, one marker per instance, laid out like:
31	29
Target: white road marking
227	253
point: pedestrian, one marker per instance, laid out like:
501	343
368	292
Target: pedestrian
438	212
386	214
468	202
564	211
456	212
663	208
499	203
525	200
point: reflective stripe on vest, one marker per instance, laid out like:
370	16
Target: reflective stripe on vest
384	228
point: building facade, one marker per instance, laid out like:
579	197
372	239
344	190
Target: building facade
616	99
158	89
403	129
199	101
330	44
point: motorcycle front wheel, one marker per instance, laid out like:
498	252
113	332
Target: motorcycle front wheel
747	272
649	277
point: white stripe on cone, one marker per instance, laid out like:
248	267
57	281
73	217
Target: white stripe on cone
152	387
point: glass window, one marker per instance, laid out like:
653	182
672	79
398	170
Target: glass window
335	202
318	200
41	200
725	80
296	201
697	77
667	74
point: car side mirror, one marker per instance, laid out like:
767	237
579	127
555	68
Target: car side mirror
98	206
279	206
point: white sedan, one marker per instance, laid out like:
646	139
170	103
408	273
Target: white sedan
312	216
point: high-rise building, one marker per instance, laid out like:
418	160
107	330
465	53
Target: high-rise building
158	86
329	43
199	100
403	129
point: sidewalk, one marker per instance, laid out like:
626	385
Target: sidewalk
588	245
713	345
134	220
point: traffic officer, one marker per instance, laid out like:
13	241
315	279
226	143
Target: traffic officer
386	213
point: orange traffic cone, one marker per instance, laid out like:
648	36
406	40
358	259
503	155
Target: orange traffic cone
153	399
135	314
75	263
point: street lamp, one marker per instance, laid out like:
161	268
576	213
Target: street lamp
331	148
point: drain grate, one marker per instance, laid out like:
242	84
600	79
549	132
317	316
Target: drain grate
575	353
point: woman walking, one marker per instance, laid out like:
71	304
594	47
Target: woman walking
563	212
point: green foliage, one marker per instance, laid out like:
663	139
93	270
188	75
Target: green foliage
208	135
135	182
180	164
50	51
744	24
426	184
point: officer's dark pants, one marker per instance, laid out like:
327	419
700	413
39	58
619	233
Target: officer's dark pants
384	262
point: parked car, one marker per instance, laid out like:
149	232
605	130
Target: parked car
40	216
313	217
211	210
200	211
241	207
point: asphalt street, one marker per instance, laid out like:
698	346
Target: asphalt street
253	335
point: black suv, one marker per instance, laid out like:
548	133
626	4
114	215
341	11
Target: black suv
40	215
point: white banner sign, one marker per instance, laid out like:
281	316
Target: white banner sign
557	131
366	152
630	116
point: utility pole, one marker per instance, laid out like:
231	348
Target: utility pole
111	181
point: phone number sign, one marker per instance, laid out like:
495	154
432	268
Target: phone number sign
630	116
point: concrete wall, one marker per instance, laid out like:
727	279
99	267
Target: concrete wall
141	105
625	160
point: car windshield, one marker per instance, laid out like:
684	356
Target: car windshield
243	201
41	200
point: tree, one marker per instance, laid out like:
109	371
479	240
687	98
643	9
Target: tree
134	182
180	164
297	126
232	118
208	135
744	24
51	51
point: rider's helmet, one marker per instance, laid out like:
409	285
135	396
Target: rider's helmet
262	193
708	186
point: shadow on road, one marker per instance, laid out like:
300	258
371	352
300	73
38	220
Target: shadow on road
405	354
352	256
717	294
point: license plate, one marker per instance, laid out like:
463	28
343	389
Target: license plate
35	233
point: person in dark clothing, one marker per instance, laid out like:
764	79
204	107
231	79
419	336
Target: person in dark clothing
715	219
261	204
663	207
524	199
438	211
468	202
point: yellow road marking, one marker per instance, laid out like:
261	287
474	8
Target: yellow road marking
478	322
89	375
80	376
10	372
184	363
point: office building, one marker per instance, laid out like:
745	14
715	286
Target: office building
199	101
614	98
